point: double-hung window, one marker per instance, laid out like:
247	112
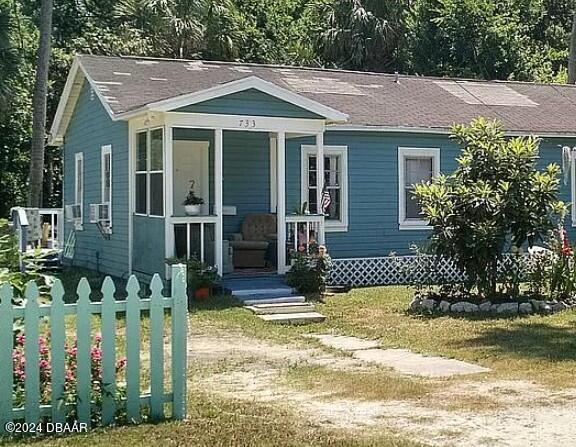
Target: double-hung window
149	180
106	180
335	184
415	165
79	185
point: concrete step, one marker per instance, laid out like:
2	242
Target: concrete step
281	308
274	300
248	293
296	318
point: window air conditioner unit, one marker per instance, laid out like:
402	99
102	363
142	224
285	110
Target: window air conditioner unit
73	212
99	212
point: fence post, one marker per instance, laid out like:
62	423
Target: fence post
179	340
6	349
156	349
133	351
58	343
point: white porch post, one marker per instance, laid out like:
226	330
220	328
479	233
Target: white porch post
281	200
218	198
319	171
168	194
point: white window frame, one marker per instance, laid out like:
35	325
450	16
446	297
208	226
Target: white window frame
148	172
405	223
79	198
106	151
342	151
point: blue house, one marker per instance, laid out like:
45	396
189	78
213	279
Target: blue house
260	144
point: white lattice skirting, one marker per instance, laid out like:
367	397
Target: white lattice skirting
391	270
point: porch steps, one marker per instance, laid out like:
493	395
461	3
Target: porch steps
294	318
256	300
273	301
281	308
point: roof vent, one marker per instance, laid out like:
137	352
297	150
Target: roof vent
396	77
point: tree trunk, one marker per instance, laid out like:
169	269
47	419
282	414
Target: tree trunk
572	55
39	106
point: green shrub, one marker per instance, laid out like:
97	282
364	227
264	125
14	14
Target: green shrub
309	271
495	200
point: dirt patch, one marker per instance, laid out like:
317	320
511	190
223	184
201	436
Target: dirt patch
471	413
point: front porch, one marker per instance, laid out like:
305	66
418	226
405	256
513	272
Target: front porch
240	171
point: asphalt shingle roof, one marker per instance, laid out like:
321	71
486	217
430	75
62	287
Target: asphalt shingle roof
370	99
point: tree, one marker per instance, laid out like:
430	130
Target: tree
8	56
572	55
495	200
39	106
362	34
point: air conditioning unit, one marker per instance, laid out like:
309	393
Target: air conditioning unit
99	212
73	212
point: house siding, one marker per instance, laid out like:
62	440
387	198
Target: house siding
91	128
249	102
373	228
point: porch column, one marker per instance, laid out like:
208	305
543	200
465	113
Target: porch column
281	199
218	198
319	171
168	195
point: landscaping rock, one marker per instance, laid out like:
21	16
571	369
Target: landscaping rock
457	307
416	304
470	308
525	308
508	308
444	306
559	307
428	305
546	308
485	306
537	304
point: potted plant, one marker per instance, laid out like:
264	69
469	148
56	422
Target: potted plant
201	277
192	203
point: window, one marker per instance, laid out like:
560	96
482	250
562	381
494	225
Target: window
106	179
335	182
79	183
415	165
149	174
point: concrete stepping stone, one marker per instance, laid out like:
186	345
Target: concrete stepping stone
408	362
281	308
343	342
294	318
402	360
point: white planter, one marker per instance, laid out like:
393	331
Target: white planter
192	210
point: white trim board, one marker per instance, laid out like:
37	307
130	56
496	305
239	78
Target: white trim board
403	152
305	151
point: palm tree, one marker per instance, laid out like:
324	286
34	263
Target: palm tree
572	55
361	34
8	56
39	106
174	26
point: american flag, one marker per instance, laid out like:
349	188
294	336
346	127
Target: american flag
326	200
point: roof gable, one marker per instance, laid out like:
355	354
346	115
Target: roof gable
249	102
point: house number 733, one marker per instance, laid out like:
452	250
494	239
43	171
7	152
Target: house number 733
247	123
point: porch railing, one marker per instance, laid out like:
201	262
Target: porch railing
23	222
303	231
194	236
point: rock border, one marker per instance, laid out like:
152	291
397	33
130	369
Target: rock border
430	306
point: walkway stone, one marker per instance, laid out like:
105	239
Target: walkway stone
343	342
402	360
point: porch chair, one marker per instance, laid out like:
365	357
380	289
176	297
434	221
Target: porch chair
250	246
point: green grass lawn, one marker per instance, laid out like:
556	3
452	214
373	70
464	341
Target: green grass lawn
539	348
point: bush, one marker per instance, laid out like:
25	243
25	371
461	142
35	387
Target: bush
70	382
494	202
309	271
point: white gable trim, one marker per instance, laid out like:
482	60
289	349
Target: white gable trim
68	99
251	82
